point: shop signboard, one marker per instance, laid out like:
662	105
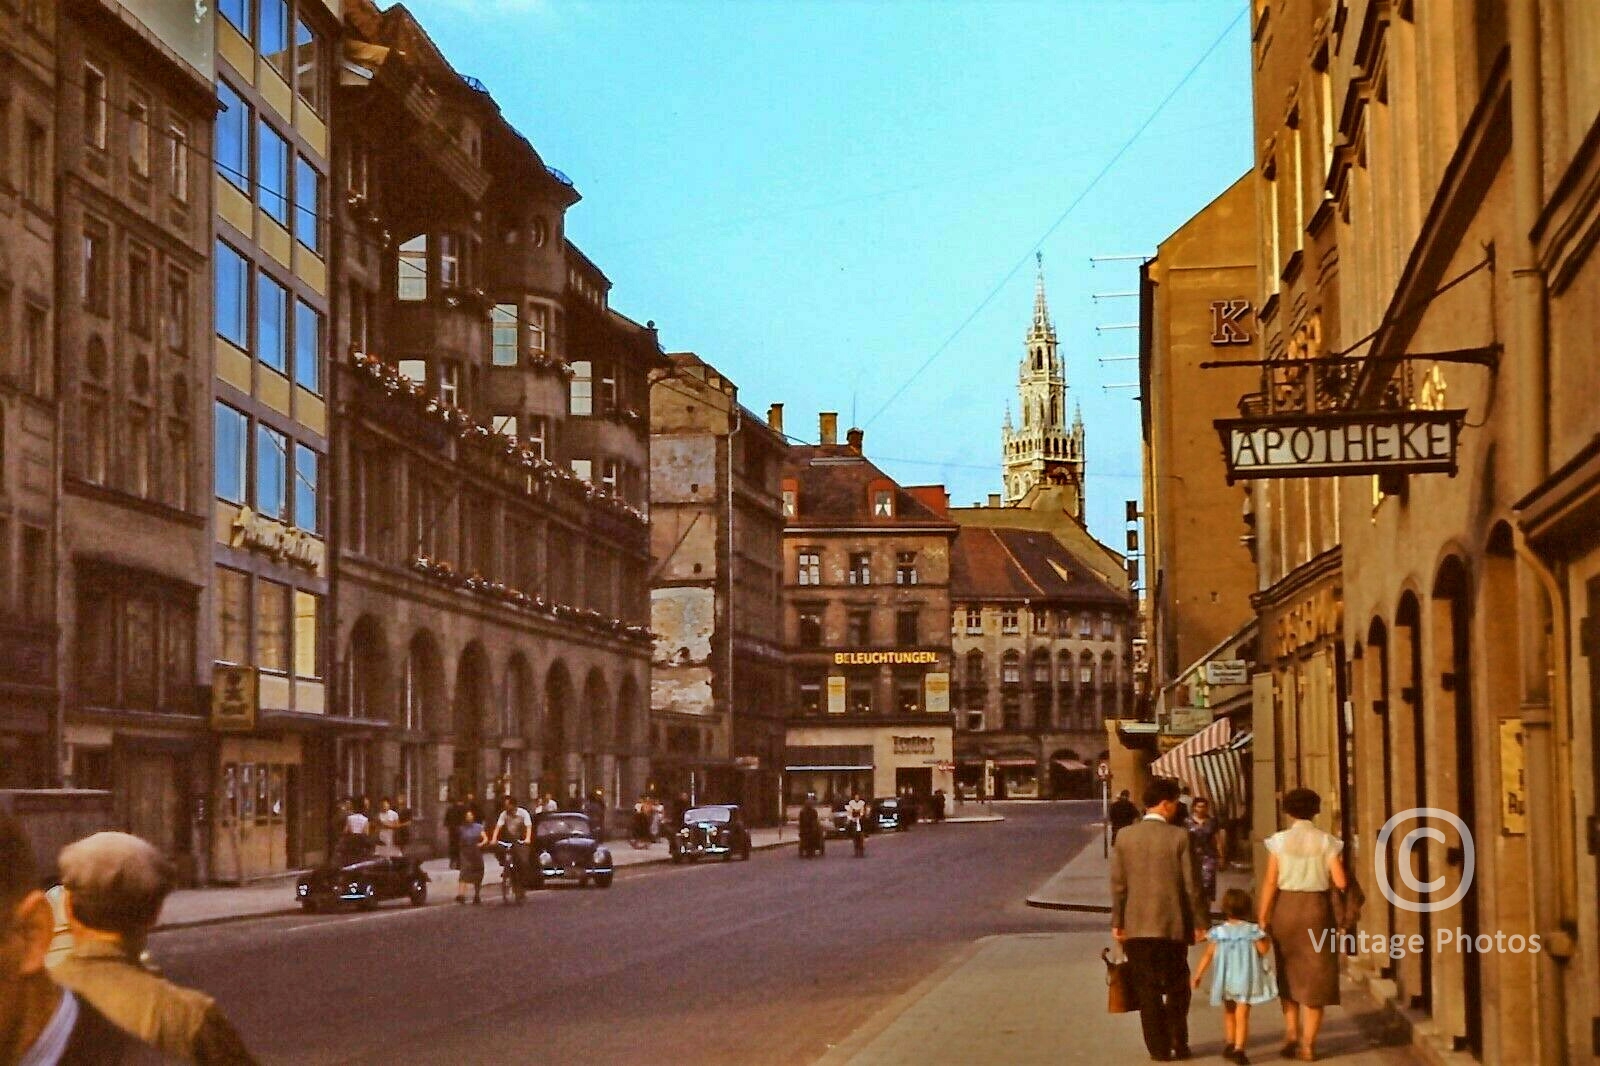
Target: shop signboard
880	658
233	698
835	693
936	687
1336	445
1227	672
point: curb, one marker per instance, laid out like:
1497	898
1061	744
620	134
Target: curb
226	919
1068	905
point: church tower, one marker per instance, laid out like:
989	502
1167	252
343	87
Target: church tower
1043	450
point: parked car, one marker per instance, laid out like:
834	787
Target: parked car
566	848
714	829
891	813
364	882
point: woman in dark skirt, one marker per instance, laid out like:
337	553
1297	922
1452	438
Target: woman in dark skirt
1303	866
472	839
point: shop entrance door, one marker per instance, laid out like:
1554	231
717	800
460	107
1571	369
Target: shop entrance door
154	808
919	779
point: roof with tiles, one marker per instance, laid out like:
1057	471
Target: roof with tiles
834	484
1023	564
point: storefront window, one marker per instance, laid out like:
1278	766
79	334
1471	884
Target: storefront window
810	687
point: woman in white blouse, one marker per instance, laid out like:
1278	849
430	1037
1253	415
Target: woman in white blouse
1303	866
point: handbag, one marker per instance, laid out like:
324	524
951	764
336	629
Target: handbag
1119	984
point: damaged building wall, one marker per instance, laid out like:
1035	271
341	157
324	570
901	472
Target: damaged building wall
684	619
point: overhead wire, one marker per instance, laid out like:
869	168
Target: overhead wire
1077	200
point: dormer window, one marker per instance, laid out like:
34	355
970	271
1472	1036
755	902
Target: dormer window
883	503
790	503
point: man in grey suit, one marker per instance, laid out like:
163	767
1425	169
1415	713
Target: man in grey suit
1156	913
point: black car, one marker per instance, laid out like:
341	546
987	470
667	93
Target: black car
891	813
714	829
364	882
567	848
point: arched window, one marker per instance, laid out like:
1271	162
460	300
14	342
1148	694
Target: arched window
1064	667
1086	670
1041	667
975	668
1011	668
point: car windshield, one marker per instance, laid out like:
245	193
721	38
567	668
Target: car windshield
564	825
706	814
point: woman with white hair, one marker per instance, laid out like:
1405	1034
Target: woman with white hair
115	886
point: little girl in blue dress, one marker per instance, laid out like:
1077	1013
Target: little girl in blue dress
1238	947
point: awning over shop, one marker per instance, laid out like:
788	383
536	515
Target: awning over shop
1179	762
1017	761
1072	764
1224	773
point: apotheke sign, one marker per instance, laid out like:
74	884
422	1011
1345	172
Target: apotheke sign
1335	445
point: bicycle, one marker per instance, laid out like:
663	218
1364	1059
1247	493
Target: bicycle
511	877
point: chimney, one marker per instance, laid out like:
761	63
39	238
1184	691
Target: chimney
828	428
994	499
775	418
854	437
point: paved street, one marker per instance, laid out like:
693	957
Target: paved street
924	953
768	961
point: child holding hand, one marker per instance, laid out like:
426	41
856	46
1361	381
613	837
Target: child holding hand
1242	976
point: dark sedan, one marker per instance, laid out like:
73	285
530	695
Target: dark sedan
364	882
716	829
891	813
567	848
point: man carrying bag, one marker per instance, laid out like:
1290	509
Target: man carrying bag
1156	914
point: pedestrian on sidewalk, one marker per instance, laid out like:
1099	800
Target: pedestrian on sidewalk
1205	834
1297	907
1242	977
388	830
355	842
1156	914
938	805
453	815
855	816
469	842
1123	814
115	886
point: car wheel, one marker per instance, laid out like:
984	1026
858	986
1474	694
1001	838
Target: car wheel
583	882
369	896
419	893
310	906
603	880
744	855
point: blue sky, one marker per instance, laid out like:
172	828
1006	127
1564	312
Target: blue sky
816	196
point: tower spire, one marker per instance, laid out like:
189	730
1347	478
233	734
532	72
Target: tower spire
1042	325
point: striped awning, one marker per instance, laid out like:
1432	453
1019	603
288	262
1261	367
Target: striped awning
1179	762
1226	776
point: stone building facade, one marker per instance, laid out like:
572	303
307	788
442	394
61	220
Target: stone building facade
716	531
866	599
1041	654
30	684
1448	157
132	366
1197	300
490	581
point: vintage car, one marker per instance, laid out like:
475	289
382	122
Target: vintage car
891	813
714	829
567	848
364	882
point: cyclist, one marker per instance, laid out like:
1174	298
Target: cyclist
513	832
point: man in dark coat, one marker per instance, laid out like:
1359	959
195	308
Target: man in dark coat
454	819
810	828
1123	814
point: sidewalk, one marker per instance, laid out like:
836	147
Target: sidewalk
1039	998
1084	884
275	896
